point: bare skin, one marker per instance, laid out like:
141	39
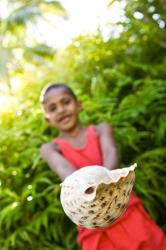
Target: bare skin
108	146
62	112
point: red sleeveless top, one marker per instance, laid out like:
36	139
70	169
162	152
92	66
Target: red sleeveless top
89	154
133	229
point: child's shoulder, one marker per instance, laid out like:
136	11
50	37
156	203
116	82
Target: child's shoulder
103	127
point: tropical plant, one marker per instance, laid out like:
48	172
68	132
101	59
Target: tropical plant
16	42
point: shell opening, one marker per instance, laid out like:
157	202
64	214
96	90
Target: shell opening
89	190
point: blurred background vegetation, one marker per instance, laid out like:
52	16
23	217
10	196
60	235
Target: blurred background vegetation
120	79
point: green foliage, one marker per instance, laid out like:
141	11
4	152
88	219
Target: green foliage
29	192
121	80
17	47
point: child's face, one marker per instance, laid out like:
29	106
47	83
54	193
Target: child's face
61	109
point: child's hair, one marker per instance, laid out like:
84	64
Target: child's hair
49	87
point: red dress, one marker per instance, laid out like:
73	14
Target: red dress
133	230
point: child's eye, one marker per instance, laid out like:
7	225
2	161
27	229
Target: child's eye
66	101
52	109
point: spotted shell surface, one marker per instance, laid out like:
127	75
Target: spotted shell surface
95	197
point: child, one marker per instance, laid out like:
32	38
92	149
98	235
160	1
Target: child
78	146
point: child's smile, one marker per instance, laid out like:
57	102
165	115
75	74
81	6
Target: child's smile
65	118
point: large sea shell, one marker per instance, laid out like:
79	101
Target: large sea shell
94	196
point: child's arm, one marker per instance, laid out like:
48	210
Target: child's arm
49	153
108	146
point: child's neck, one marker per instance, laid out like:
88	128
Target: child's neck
77	130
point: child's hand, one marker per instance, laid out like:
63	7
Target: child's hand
47	149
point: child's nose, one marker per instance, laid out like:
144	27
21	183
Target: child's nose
60	109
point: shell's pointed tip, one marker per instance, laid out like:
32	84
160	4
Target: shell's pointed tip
133	166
